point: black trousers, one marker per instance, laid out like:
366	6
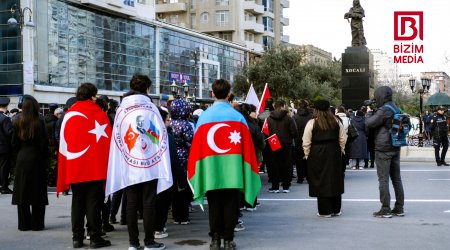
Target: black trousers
437	142
180	205
163	201
329	205
223	204
106	208
87	200
145	194
300	163
5	168
117	198
31	219
282	167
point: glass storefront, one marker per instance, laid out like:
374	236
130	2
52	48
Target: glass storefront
78	45
11	70
87	46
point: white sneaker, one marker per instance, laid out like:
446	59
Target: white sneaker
161	234
133	248
324	215
286	191
239	227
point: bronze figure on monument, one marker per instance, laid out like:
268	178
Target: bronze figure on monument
356	14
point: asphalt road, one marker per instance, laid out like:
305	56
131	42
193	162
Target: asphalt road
286	221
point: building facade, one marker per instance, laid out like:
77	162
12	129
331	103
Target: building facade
256	24
105	44
440	82
315	55
386	71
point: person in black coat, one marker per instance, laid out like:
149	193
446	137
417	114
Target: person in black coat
439	126
324	144
302	117
30	141
5	146
358	147
281	124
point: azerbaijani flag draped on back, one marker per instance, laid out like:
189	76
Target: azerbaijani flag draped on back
222	154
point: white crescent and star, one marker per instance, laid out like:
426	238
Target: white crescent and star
234	138
99	131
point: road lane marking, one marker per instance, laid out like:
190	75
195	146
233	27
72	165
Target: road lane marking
355	200
439	179
448	211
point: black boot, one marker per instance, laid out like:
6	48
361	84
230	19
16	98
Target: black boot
229	245
444	163
215	242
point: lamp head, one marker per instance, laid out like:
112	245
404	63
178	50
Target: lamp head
12	22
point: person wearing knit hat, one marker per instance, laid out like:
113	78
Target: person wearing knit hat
324	144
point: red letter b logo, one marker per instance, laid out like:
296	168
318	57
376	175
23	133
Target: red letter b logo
407	22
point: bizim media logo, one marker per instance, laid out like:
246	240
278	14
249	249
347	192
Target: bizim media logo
408	27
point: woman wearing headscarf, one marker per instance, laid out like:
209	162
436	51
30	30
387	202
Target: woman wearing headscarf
324	143
30	143
183	133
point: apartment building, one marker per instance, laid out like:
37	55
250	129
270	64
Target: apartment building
255	24
386	71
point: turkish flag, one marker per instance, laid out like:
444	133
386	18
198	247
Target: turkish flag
265	128
265	95
84	145
274	143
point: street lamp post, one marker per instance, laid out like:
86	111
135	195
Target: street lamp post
20	13
186	90
426	83
174	89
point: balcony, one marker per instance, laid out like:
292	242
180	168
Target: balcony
253	26
284	21
285	39
284	3
254	46
253	7
171	7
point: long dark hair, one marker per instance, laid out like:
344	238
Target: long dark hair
27	126
324	119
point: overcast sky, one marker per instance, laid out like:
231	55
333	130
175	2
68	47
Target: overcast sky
322	24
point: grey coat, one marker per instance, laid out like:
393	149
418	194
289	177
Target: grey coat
378	120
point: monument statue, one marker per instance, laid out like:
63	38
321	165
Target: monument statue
356	13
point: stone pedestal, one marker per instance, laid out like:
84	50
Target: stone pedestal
357	76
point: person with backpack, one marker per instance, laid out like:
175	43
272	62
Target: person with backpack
387	156
439	127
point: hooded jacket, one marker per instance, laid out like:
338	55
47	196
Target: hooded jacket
378	120
284	126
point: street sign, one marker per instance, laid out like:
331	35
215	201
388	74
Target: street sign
179	77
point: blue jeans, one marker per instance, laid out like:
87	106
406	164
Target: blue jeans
388	165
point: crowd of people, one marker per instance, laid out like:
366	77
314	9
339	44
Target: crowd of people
155	159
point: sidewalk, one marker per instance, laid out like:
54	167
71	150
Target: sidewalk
417	154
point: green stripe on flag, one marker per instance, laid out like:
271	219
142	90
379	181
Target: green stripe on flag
225	171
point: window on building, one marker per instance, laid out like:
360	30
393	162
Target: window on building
268	5
267	42
249	37
268	24
129	2
193	21
193	3
204	17
222	18
223	2
226	36
173	19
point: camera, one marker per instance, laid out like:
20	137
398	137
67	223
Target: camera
369	103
